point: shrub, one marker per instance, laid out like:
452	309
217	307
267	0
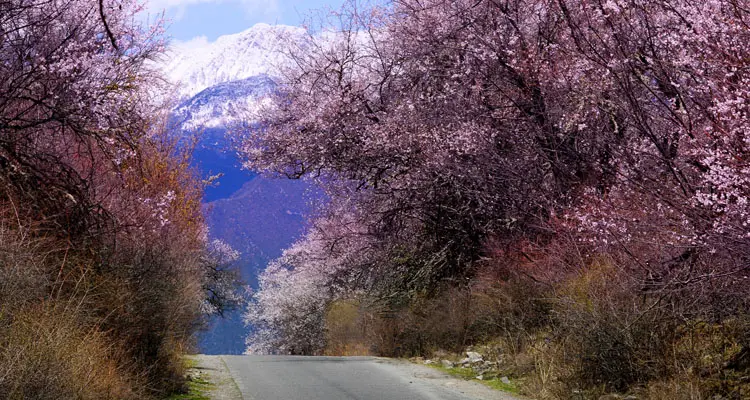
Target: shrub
46	354
103	250
346	329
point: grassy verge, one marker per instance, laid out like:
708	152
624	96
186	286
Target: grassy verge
197	388
197	384
469	375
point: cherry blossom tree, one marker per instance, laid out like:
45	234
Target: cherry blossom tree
674	71
87	166
423	114
439	125
74	98
287	313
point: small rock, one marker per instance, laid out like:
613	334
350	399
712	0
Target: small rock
465	361
473	356
429	362
505	380
447	363
480	377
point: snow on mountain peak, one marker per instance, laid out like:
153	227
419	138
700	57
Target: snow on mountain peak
199	64
221	104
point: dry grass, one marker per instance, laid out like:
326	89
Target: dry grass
45	354
75	324
587	333
683	387
346	330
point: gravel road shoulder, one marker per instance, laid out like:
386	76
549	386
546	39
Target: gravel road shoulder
434	377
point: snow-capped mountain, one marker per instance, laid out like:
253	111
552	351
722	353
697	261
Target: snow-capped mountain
198	64
218	83
218	105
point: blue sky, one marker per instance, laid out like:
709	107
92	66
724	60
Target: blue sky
213	18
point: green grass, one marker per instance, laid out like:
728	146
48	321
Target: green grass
189	362
197	386
469	375
497	384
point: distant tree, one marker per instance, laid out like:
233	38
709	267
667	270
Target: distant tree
287	312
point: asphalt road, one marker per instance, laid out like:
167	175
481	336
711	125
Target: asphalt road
338	378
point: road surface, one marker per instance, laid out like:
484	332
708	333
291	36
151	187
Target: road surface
339	378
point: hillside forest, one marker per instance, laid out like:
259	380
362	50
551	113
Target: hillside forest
565	181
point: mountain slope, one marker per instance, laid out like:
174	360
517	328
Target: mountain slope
219	105
218	83
198	64
259	220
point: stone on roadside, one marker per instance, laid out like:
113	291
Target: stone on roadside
428	362
480	377
447	363
505	380
474	357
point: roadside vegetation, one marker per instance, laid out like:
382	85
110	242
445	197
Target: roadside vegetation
197	384
106	271
197	389
566	181
494	382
